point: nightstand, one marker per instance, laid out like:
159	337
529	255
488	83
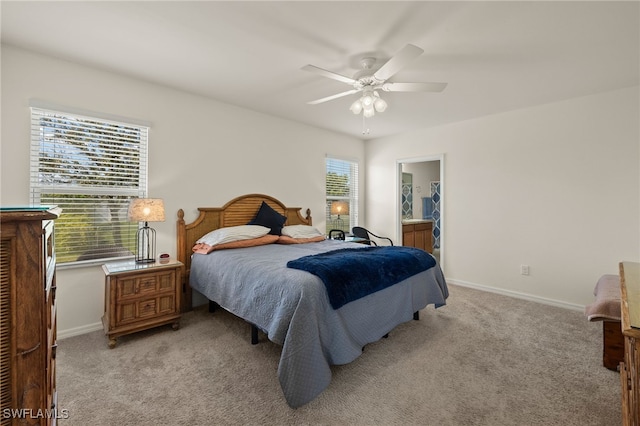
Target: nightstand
139	296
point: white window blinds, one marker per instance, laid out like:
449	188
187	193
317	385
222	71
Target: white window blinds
91	168
342	194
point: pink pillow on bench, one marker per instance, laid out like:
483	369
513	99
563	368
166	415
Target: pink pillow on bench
607	304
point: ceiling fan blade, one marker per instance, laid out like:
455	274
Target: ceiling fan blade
329	74
414	87
332	97
398	61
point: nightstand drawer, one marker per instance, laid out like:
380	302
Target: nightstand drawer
142	309
146	308
148	284
167	304
167	281
126	312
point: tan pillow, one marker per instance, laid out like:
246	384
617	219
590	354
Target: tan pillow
203	248
300	231
233	233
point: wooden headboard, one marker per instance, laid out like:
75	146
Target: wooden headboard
238	211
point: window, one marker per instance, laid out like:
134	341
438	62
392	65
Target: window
91	168
342	194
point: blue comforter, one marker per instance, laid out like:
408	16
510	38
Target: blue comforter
293	308
352	273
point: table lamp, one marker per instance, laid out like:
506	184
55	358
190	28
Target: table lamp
146	210
338	208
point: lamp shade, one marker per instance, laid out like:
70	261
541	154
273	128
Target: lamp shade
339	207
146	210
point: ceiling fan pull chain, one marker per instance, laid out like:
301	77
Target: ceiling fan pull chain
365	130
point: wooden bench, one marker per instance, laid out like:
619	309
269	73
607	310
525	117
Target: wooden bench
606	308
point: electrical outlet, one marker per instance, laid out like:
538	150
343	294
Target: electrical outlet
524	269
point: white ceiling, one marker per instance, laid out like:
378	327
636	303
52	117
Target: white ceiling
496	56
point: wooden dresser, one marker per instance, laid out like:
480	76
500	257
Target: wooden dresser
139	296
630	367
418	234
28	317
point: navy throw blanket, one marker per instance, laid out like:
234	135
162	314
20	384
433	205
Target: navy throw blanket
352	273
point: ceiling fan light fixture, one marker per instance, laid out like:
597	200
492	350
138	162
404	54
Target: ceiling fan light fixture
356	107
368	103
380	104
370	81
367	100
369	112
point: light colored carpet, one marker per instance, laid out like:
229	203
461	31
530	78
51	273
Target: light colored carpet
484	359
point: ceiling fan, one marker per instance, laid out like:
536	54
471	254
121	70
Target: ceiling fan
370	81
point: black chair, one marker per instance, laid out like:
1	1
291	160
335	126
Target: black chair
336	234
361	232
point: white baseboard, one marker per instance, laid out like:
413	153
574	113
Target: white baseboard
76	331
518	295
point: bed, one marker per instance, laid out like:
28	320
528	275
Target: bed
293	307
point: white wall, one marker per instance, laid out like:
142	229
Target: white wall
556	187
201	153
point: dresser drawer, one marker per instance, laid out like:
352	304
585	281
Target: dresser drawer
49	253
51	310
52	347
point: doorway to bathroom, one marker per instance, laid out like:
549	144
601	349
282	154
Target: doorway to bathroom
420	197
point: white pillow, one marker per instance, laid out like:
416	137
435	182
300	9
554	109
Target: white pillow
233	233
300	231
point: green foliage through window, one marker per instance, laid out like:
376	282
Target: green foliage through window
90	168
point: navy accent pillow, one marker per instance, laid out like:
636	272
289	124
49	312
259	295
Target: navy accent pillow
270	218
